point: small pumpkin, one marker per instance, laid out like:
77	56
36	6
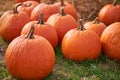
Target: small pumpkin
28	6
110	13
62	23
68	8
18	1
42	29
110	39
47	9
30	57
79	44
96	26
12	22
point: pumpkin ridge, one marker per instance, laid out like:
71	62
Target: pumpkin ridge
18	55
12	53
71	37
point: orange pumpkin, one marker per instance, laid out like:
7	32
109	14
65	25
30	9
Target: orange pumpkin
30	57
28	6
62	23
96	26
110	13
42	29
68	8
110	39
12	22
80	44
46	9
18	1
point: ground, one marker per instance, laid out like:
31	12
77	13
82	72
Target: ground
100	69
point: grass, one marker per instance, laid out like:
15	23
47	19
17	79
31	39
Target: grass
100	69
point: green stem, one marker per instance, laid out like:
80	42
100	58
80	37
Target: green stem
81	27
41	21
15	8
30	34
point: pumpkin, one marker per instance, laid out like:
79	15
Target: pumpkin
110	13
110	39
62	23
30	57
18	1
68	8
42	29
96	26
79	44
46	8
28	6
12	22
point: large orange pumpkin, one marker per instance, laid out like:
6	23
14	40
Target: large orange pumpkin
12	22
46	9
62	23
30	57
42	29
28	6
111	41
68	8
18	1
110	13
96	26
79	44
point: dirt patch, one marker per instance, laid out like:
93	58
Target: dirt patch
5	5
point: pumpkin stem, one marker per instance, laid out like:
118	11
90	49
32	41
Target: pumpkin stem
15	8
81	27
28	5
41	21
30	34
72	2
62	3
96	21
115	2
62	12
50	2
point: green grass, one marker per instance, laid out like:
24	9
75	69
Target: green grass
100	69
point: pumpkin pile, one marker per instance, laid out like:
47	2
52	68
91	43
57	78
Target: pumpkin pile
12	22
110	13
18	1
35	29
30	57
96	26
27	7
42	29
62	23
75	44
110	39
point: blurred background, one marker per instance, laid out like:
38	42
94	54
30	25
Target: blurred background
88	9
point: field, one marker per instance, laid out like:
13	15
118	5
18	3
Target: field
100	69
